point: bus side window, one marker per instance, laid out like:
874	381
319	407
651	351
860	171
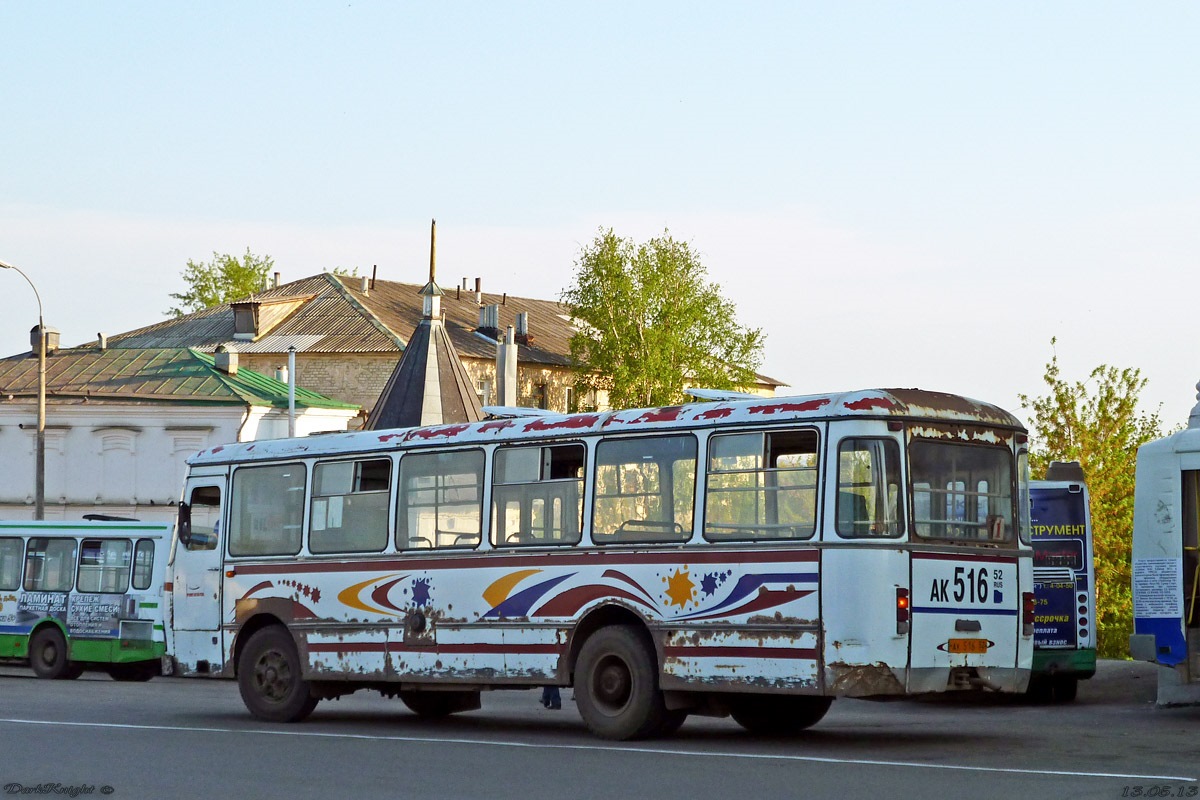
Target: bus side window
11	549
762	485
868	490
440	500
143	564
645	490
49	565
267	510
537	495
205	510
349	511
103	566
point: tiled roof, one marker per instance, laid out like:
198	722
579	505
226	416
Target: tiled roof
339	317
149	375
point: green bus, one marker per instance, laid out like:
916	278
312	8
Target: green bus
84	595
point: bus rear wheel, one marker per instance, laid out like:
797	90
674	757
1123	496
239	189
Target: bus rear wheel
774	715
49	657
271	680
616	686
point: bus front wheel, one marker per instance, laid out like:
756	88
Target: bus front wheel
49	657
271	680
616	685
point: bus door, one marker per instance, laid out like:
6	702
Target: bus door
967	590
196	574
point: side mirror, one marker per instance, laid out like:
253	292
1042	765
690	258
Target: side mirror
185	524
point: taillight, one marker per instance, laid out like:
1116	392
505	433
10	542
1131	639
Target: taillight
1027	607
902	610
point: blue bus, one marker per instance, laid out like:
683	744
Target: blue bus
1064	584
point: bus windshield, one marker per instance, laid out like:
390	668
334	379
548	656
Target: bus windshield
961	491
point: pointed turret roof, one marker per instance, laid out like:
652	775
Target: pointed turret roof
430	385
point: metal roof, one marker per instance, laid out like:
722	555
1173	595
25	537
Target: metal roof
149	375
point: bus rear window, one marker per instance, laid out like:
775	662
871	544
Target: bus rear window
961	491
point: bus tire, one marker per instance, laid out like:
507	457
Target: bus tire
616	685
439	704
776	715
271	680
137	672
1065	690
48	655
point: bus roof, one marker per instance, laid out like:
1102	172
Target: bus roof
916	404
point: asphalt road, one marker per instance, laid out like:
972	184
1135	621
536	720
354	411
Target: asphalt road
177	738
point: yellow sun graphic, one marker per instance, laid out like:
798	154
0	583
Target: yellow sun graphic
680	588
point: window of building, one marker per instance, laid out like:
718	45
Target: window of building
268	510
762	486
440	498
645	489
537	495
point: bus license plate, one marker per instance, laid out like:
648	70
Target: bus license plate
967	646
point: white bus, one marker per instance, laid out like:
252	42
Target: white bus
1166	562
83	595
754	557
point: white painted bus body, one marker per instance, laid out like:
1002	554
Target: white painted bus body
817	616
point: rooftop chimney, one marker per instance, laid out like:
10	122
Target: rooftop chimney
52	336
365	286
276	283
102	341
226	359
479	291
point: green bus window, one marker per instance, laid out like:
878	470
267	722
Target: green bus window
11	550
268	510
49	565
143	564
103	566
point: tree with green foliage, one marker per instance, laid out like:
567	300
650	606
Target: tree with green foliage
222	280
1097	423
650	324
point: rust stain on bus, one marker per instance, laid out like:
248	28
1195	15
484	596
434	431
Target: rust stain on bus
862	680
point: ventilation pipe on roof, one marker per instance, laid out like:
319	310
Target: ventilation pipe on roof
275	285
291	368
506	369
523	323
102	341
479	291
374	271
365	285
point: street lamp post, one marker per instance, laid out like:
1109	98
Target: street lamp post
40	465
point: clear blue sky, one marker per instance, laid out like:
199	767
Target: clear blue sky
900	194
